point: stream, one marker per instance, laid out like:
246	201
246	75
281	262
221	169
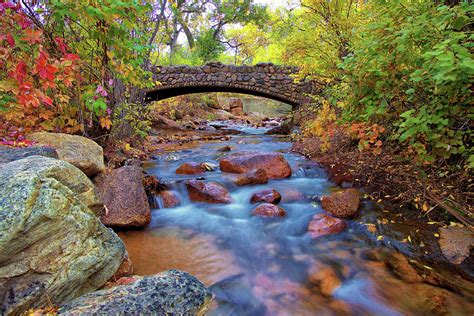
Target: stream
262	266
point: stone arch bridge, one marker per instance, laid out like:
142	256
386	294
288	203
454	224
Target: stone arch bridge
264	79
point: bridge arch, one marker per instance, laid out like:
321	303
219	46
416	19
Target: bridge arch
264	79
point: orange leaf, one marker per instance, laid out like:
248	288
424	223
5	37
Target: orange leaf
105	122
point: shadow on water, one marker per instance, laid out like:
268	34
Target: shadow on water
258	266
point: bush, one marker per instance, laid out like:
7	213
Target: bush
411	71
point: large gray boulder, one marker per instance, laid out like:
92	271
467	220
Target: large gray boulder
82	152
53	248
172	292
8	154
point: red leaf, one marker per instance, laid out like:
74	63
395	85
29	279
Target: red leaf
47	100
71	57
10	40
19	73
62	46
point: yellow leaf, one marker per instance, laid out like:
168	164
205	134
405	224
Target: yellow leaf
127	146
436	235
409	238
105	122
425	207
379	238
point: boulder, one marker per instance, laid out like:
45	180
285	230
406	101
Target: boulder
208	192
8	154
53	248
170	199
191	168
171	292
322	224
456	243
268	210
274	164
342	204
125	269
258	176
236	106
161	122
268	196
124	197
82	152
283	129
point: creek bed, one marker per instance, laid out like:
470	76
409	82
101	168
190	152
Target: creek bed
258	266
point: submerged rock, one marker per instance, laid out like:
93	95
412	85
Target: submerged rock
291	195
172	292
191	168
225	149
170	199
324	278
274	164
268	210
322	224
342	204
53	248
125	198
8	154
208	192
268	196
258	176
456	243
82	152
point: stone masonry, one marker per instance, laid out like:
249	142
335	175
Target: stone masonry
263	79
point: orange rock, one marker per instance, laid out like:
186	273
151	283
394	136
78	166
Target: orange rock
268	210
190	168
322	224
170	199
274	164
268	196
208	192
326	279
258	176
342	204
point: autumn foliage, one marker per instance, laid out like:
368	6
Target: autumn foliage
37	78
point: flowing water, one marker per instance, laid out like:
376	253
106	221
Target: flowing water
258	266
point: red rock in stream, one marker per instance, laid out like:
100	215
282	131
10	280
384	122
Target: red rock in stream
268	196
258	176
274	164
268	210
322	224
170	199
342	204
208	192
191	168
